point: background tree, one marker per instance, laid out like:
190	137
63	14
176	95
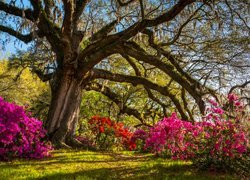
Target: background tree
20	85
184	40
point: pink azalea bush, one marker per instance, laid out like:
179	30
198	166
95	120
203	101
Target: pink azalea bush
20	135
172	137
215	142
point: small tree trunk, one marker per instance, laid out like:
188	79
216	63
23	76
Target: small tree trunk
66	99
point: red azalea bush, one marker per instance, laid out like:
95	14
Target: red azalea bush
108	133
217	141
21	136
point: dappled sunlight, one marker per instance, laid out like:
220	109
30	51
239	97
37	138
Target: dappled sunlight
79	164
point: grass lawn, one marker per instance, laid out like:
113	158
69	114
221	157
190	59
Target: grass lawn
75	164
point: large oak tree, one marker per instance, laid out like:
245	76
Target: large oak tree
185	40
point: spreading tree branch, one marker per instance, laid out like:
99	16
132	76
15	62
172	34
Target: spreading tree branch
238	86
121	3
25	38
116	99
23	13
43	77
67	25
48	7
134	80
135	51
117	39
79	7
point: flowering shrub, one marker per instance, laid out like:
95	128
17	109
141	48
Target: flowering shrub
108	132
20	135
216	141
173	137
86	142
225	142
138	140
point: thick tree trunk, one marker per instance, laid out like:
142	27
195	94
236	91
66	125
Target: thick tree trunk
70	137
64	108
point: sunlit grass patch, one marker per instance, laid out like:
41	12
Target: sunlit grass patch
75	164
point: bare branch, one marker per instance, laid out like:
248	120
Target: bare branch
23	13
43	77
132	64
124	3
48	7
104	31
142	9
176	37
25	38
165	17
238	14
68	18
194	89
238	86
79	7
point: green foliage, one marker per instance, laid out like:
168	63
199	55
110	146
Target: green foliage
19	85
94	103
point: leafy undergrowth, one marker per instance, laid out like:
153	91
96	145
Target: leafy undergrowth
75	164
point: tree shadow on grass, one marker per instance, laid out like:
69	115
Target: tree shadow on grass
80	158
146	167
155	172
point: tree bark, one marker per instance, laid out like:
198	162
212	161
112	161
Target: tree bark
64	108
70	137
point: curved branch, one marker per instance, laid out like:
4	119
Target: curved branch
25	38
142	9
43	77
194	89
116	99
104	31
132	64
103	74
185	104
80	5
238	86
68	6
117	39
150	94
165	17
23	13
48	7
176	37
124	3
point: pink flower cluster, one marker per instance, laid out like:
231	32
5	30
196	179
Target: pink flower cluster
217	137
20	135
173	137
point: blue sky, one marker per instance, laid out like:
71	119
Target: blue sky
13	45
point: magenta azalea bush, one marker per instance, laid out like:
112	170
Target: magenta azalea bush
217	141
173	137
139	139
21	136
